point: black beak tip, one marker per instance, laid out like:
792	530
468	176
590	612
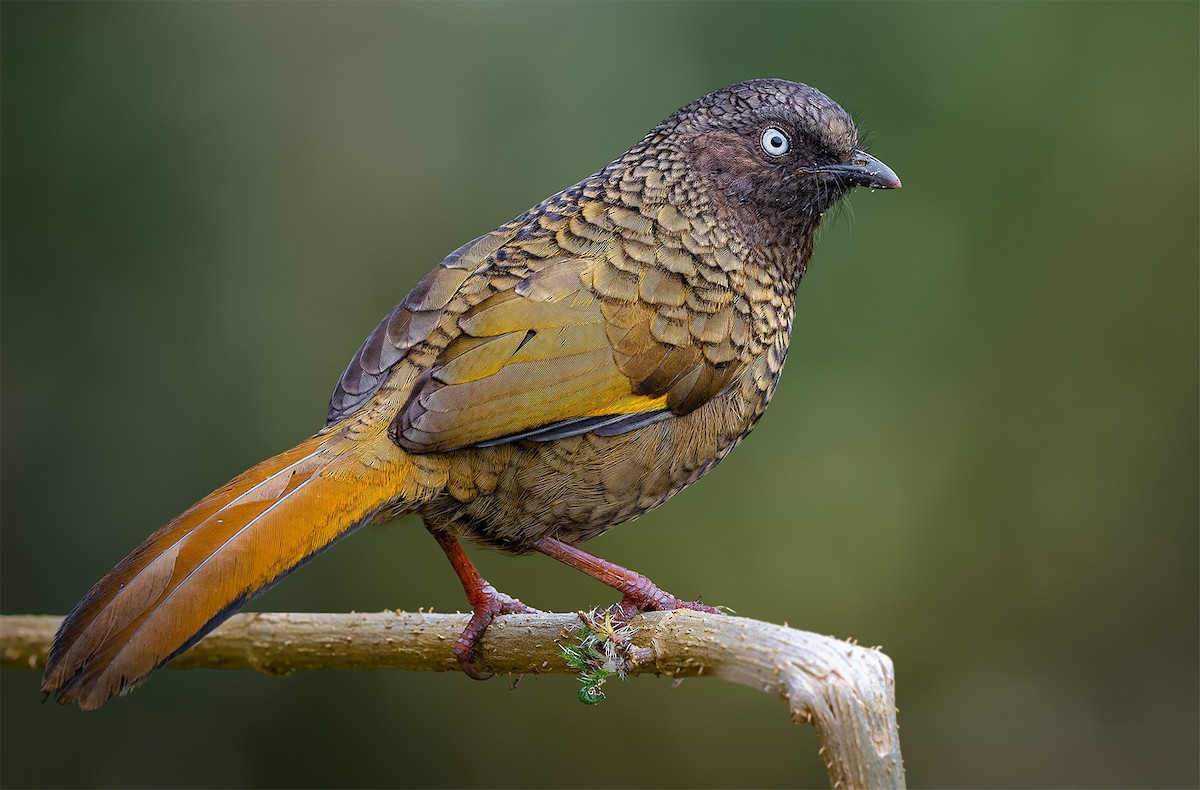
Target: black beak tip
863	170
872	173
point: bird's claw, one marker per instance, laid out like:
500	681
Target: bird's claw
488	605
631	605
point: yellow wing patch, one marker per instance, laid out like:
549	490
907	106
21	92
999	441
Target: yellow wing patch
533	356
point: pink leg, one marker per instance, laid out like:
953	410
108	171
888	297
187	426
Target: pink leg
639	593
486	603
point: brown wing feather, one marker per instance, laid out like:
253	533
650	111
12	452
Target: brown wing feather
409	323
546	357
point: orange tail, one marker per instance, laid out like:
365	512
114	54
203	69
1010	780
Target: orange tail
199	569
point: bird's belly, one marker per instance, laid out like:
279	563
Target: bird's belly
577	488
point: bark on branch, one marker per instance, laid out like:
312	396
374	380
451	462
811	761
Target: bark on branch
846	691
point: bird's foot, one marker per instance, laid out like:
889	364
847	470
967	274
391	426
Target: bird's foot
659	601
639	594
643	595
486	602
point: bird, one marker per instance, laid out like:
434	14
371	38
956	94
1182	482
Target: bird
567	372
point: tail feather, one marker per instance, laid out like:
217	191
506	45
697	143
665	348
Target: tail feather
189	576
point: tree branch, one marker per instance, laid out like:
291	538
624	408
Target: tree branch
846	691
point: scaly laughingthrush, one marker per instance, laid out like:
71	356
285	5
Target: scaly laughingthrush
563	374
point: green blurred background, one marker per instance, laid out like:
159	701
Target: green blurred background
983	455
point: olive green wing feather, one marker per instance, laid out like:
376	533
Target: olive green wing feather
410	323
555	356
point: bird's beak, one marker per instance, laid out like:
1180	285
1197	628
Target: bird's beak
864	170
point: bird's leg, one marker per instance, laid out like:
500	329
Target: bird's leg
486	602
639	593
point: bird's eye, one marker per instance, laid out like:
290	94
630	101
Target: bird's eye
775	142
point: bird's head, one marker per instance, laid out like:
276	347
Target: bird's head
775	147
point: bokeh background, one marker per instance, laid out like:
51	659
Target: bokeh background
982	456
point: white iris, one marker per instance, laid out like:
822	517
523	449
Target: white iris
775	142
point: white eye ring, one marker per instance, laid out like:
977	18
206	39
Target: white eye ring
774	141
